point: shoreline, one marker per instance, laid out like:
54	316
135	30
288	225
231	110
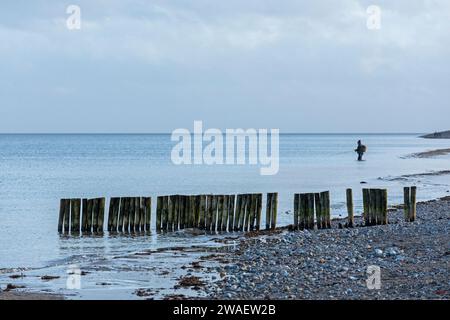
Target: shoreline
320	264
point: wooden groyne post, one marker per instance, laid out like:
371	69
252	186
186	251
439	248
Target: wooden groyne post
410	199
271	210
375	206
64	215
209	212
309	207
350	212
127	214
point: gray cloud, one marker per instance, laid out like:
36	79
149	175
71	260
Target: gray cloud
152	66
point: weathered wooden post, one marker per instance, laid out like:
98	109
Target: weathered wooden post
413	204
189	211
231	205
208	212
183	209
406	199
75	205
137	213
121	214
90	214
310	218
243	213
303	209
159	204
308	210
318	207
126	212
61	215
116	212
296	210
64	213
176	214
198	200
350	212
84	215
373	206
220	204
148	212
251	212
101	214
165	213
366	205
202	212
323	210
170	212
142	214
274	210
378	207
327	208
195	212
258	211
214	212
237	214
224	214
129	210
268	210
110	214
113	214
95	212
384	206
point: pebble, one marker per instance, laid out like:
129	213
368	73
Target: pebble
378	252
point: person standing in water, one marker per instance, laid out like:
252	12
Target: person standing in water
360	150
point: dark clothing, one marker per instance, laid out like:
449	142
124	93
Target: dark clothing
360	150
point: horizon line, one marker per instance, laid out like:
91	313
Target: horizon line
168	133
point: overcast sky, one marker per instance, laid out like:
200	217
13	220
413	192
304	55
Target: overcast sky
153	66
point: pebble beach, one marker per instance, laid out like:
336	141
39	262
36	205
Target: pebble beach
414	259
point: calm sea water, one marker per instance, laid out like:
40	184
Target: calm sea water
37	170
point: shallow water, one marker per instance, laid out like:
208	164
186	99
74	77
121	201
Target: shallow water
37	170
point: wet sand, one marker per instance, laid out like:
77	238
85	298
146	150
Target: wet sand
430	153
14	295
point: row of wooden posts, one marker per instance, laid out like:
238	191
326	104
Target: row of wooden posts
131	214
240	212
86	215
308	205
221	213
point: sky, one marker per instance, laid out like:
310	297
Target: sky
140	66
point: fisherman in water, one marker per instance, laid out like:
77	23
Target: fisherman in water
360	150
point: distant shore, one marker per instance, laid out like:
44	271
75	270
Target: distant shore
437	135
331	264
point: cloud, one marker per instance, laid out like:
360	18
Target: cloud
204	56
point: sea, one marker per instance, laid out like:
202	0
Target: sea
37	170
